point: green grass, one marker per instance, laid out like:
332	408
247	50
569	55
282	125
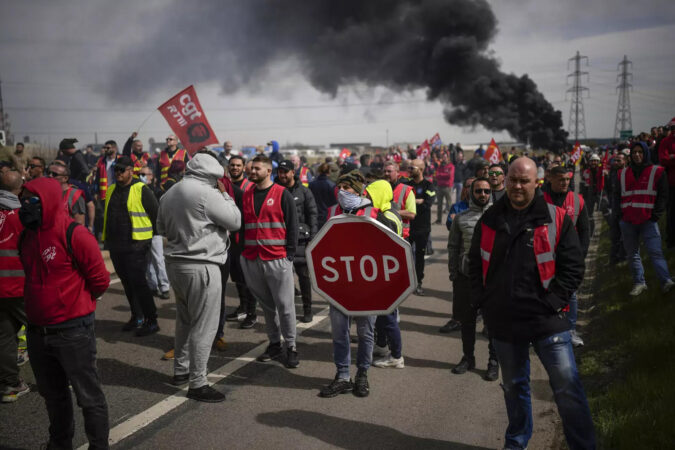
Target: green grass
628	363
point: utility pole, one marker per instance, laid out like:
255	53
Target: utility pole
624	123
577	120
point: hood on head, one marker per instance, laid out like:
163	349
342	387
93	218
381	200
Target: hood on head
275	146
381	194
50	193
645	154
205	167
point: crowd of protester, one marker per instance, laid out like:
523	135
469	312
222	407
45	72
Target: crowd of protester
172	221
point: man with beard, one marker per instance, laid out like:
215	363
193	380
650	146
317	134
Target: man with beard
459	243
270	241
133	148
236	170
525	261
167	156
643	197
420	226
36	168
496	178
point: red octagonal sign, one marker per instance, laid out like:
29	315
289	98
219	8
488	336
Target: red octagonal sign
360	266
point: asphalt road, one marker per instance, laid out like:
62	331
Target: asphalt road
269	406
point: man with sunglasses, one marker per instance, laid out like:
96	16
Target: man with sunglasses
168	155
35	168
496	179
459	242
133	148
73	198
128	227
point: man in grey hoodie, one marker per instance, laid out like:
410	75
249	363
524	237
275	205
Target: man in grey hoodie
459	243
195	216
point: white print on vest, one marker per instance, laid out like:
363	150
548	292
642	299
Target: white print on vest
367	265
270	202
3	218
49	254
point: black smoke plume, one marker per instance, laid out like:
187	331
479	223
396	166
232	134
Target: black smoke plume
437	45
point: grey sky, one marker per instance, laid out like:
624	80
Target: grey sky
58	57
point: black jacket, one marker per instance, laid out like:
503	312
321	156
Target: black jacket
583	226
515	305
323	190
118	227
307	217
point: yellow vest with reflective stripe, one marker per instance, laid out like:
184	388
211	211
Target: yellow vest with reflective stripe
141	226
389	214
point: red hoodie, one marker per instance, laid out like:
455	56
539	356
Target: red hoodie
55	291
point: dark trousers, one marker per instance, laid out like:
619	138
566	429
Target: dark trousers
302	271
670	218
247	302
224	275
590	201
419	240
466	314
60	358
130	266
12	317
617	252
388	332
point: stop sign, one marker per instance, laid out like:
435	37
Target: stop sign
360	266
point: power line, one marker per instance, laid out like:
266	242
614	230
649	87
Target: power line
577	120
624	122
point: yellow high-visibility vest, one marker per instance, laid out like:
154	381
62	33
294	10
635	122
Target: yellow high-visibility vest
141	226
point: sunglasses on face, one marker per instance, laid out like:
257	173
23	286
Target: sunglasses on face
54	174
482	191
170	139
33	166
120	169
495	174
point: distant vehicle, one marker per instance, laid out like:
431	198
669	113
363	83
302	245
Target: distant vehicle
3	138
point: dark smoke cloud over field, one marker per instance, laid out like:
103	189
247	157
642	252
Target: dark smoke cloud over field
437	45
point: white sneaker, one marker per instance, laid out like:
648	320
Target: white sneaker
638	289
390	361
668	286
576	339
380	351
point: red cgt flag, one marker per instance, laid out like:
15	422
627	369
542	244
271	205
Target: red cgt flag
492	153
575	157
187	119
423	150
345	153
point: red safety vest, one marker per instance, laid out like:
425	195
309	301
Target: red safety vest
599	178
246	184
638	196
368	211
546	238
304	179
264	235
11	269
572	205
141	162
70	196
165	163
102	177
401	192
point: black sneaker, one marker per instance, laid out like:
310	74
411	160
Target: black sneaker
179	380
419	291
452	325
492	373
464	365
149	327
308	316
164	295
235	316
133	324
361	386
205	394
249	321
273	351
336	387
292	360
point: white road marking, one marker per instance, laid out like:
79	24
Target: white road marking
145	418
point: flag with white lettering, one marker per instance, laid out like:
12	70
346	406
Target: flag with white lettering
423	150
187	119
575	157
492	154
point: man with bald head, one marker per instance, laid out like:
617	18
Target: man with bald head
525	261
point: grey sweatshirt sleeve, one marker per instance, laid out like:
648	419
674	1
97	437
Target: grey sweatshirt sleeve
221	210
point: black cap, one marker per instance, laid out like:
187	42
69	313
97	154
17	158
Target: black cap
286	165
124	161
67	143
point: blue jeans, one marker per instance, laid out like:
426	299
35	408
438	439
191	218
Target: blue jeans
388	331
69	356
574	310
158	280
555	353
339	324
649	232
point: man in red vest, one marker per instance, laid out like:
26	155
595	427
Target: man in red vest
643	198
168	155
133	148
592	186
12	314
666	152
404	197
524	263
557	193
270	240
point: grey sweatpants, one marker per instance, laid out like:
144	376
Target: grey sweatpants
197	287
272	284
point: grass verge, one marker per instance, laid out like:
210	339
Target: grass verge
628	362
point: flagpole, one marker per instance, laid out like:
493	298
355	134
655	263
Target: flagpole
146	119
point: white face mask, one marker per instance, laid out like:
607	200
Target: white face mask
347	200
144	179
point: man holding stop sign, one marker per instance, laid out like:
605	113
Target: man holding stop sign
351	254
